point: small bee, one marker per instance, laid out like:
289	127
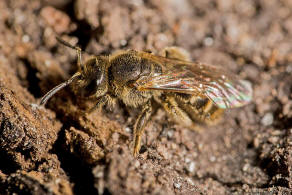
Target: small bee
191	92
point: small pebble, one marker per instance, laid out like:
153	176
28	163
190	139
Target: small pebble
48	63
273	139
177	185
34	106
267	119
25	38
127	129
208	41
245	167
137	164
170	133
190	181
123	42
289	68
191	167
212	158
187	160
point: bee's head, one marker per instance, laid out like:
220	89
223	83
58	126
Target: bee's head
91	79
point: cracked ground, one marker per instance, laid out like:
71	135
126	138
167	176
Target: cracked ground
57	149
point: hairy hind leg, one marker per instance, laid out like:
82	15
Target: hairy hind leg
169	103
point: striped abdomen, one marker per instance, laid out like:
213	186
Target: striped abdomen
199	109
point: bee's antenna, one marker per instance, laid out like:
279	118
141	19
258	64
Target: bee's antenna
62	41
78	51
52	92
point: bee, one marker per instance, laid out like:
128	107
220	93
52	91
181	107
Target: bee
192	93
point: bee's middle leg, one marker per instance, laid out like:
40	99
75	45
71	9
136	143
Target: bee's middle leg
140	126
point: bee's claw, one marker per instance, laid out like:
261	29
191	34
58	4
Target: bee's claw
137	145
135	153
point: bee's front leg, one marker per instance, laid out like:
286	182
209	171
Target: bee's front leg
102	101
140	126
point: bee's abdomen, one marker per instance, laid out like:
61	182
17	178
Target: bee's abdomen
210	111
200	109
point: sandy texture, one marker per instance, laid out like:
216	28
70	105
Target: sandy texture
61	150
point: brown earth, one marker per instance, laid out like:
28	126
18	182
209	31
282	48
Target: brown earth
59	150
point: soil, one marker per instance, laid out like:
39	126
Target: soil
57	149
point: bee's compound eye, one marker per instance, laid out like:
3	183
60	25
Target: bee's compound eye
89	84
86	87
91	88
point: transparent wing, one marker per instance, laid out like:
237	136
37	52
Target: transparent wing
220	86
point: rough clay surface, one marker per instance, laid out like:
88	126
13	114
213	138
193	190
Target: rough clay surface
60	150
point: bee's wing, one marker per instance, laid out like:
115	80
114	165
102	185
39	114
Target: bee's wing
223	88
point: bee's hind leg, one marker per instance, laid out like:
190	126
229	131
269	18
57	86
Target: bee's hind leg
176	53
140	126
171	106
